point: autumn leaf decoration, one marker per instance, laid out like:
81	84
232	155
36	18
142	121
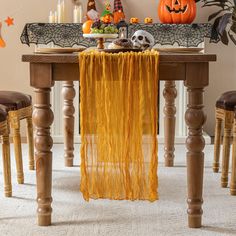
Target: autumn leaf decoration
2	42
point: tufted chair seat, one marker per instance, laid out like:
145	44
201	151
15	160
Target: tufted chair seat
227	101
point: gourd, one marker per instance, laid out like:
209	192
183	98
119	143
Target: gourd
177	11
134	20
148	20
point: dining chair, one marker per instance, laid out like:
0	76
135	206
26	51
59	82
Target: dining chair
4	133
19	107
224	114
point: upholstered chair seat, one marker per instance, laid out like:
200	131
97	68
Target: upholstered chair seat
227	101
3	113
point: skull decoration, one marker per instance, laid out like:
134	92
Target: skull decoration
142	40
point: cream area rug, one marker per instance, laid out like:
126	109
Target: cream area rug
73	216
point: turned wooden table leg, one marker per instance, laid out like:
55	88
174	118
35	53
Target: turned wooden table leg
217	144
68	93
43	118
170	94
233	175
196	80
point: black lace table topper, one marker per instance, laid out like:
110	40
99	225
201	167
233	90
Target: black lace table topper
185	35
70	34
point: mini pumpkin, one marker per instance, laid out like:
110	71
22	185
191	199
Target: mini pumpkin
107	19
134	20
87	26
148	20
177	11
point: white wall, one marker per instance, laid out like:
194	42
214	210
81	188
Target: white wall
15	75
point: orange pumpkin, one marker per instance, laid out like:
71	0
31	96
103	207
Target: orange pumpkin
177	11
107	19
148	20
134	20
87	26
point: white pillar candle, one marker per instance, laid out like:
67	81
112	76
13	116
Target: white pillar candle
80	14
77	14
51	18
63	12
59	12
55	17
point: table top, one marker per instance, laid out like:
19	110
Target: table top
164	57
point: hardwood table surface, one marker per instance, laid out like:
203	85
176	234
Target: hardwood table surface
192	68
73	57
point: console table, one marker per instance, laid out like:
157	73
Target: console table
193	69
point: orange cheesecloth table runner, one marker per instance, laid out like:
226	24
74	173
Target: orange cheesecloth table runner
119	104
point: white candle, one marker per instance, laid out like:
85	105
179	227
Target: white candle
77	14
80	14
122	35
55	17
51	18
63	12
59	12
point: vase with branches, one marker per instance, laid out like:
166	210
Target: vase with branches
224	20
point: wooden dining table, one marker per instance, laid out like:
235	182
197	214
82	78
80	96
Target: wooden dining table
191	68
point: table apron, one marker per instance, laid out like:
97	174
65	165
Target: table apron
168	71
44	75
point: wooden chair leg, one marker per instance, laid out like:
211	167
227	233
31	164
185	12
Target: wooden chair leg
15	124
226	153
217	144
233	175
6	163
30	142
